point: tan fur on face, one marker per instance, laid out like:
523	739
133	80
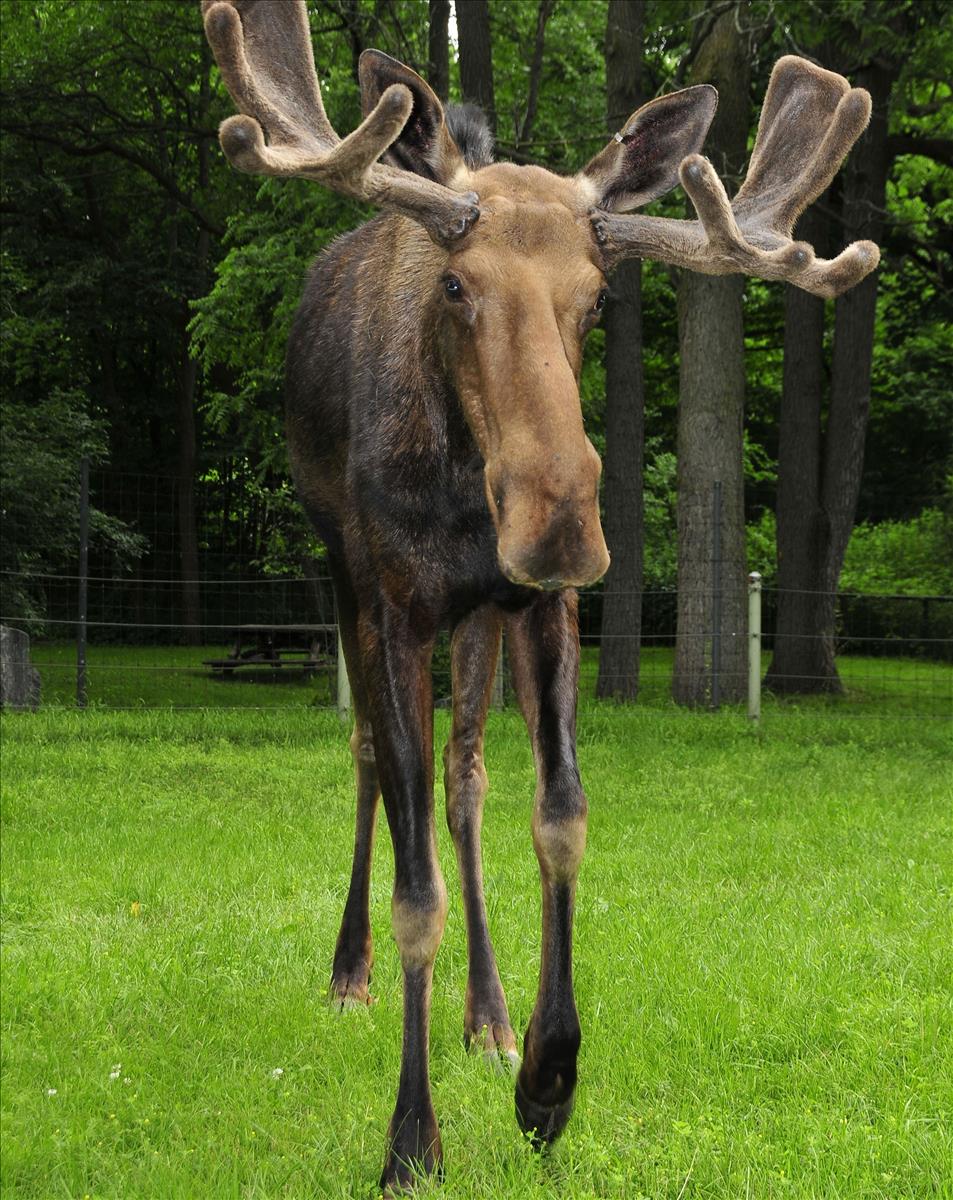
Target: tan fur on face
531	275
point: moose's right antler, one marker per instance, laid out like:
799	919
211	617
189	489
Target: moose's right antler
809	121
263	49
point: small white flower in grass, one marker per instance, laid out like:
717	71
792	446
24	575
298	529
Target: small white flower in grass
277	1072
126	1079
115	1072
51	1091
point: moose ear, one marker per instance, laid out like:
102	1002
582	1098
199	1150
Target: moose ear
424	145
641	162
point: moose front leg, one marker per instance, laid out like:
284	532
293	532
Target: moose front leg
544	654
474	651
397	674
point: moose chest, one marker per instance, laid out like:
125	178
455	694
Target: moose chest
423	517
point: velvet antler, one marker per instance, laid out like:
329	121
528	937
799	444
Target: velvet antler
810	120
263	49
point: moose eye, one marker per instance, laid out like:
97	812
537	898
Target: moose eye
453	288
601	300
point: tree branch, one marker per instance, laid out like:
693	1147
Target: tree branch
939	149
163	178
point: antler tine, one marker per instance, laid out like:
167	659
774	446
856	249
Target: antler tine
789	169
263	49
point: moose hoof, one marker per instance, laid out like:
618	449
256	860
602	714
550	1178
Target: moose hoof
542	1123
349	989
414	1154
496	1043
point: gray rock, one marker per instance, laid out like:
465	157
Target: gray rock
19	679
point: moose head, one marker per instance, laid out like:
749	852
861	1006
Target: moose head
517	257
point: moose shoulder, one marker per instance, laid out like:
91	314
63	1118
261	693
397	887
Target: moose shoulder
437	443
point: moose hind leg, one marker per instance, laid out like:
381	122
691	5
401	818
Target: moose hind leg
474	652
353	954
544	649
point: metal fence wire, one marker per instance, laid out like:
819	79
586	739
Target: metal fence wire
261	629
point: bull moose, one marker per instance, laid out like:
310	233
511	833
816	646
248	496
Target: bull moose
437	443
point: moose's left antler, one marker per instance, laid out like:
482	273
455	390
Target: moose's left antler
810	119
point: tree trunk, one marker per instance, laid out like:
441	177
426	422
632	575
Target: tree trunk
525	132
625	397
187	381
438	48
811	546
185	495
865	202
802	661
711	409
476	63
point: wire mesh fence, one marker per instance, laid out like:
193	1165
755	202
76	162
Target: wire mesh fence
248	620
891	651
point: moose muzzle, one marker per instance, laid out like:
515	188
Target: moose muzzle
546	511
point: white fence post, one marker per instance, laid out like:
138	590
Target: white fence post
344	684
754	646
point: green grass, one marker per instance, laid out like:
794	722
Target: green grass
764	962
172	677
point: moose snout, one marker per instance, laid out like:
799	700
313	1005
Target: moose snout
549	535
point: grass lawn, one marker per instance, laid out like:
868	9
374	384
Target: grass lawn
764	961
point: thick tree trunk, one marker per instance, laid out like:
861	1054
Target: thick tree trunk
625	397
438	48
476	63
711	409
814	526
802	661
855	313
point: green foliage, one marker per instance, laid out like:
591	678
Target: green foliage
912	558
49	425
41	447
242	325
761	538
661	467
128	241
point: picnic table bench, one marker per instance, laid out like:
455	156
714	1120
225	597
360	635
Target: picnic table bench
278	647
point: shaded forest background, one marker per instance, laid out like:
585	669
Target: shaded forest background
148	290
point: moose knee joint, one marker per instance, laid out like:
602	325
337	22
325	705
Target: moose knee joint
362	746
560	842
418	922
467	785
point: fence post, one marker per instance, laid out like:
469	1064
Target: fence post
81	690
716	595
344	684
754	646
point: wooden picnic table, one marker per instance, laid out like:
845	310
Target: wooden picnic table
278	647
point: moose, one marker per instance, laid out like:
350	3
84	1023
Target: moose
437	443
